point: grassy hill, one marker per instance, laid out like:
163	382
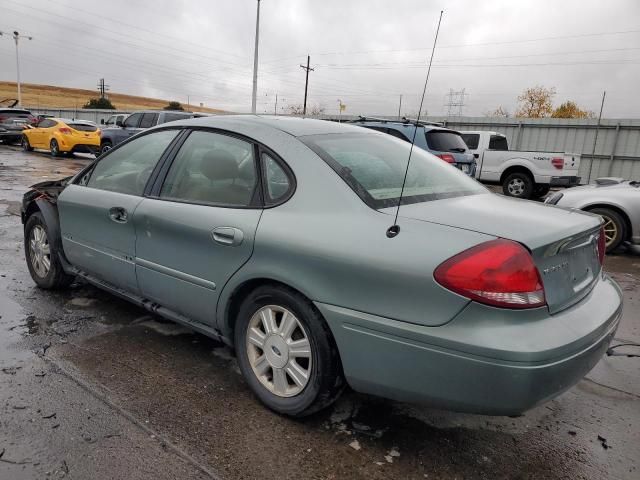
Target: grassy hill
50	96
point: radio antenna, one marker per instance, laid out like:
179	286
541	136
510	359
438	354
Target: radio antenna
394	229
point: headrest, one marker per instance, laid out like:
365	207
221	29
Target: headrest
219	165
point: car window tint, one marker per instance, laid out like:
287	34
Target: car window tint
445	141
398	134
471	139
127	168
170	117
277	180
148	120
498	142
133	120
374	167
212	168
83	127
46	123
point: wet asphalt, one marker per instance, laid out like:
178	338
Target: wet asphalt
93	387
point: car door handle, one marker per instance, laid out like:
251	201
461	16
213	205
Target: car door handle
118	214
228	236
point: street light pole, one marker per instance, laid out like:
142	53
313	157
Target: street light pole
16	38
255	63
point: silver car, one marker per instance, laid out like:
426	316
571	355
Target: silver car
273	235
617	201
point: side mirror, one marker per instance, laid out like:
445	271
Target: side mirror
476	155
102	121
120	123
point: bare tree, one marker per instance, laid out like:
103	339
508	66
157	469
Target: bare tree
312	110
536	102
498	112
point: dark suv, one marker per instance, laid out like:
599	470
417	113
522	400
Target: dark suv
12	122
136	122
432	137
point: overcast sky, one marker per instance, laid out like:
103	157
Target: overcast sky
365	52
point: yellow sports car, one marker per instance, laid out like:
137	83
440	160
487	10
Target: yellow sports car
62	135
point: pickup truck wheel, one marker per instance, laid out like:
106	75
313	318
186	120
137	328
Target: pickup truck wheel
105	147
518	184
541	190
286	352
26	146
44	265
614	227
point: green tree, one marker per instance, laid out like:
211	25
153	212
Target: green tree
174	106
570	109
536	102
99	103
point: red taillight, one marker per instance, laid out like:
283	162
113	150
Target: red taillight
499	273
446	157
65	130
602	245
558	163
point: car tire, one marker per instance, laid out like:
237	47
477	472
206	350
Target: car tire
285	380
105	147
540	190
44	265
518	185
26	146
54	148
614	227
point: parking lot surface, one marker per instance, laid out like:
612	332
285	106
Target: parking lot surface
93	387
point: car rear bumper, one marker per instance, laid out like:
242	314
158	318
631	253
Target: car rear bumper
564	181
486	360
81	148
11	136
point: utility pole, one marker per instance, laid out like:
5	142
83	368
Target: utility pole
255	63
275	106
595	138
102	88
306	84
400	108
16	38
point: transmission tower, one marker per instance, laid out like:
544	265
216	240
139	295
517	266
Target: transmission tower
455	102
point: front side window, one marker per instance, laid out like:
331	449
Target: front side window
472	140
445	141
127	168
133	120
214	169
374	166
498	142
276	179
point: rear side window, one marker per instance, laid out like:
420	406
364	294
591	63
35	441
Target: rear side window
148	120
472	140
445	141
277	181
212	168
498	142
46	123
83	127
126	169
398	134
171	117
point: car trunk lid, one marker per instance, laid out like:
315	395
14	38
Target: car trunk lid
563	243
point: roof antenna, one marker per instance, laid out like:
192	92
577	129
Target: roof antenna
394	229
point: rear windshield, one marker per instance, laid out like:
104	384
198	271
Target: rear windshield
498	142
83	127
445	141
374	166
471	139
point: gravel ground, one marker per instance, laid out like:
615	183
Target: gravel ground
92	387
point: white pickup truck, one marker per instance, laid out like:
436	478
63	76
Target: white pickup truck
521	174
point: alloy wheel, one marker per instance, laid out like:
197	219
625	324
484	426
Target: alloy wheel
279	351
516	187
54	148
39	251
610	230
